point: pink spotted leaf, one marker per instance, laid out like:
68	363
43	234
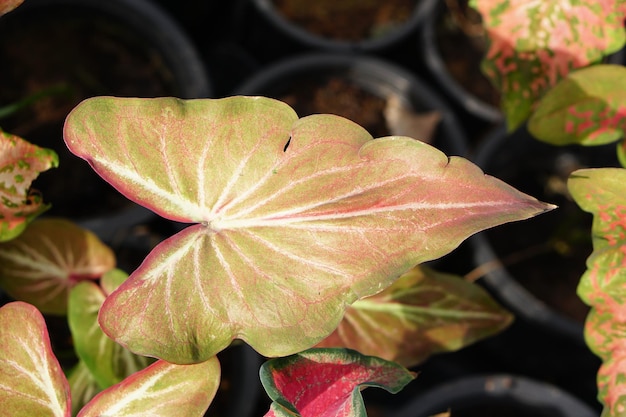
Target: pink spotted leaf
602	192
20	163
42	264
32	382
293	219
327	382
588	108
160	390
535	44
108	362
422	313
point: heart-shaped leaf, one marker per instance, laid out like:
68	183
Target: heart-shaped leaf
160	390
108	362
7	5
535	44
296	218
327	382
52	255
20	163
602	192
422	313
588	107
31	380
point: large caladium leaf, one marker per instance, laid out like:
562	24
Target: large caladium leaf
31	380
588	108
20	163
160	390
534	44
108	362
603	286
327	382
295	218
52	255
7	5
422	313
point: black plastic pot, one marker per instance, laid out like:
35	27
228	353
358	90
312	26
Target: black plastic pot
496	395
306	38
84	48
375	76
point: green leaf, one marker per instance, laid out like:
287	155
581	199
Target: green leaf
83	386
602	192
108	362
422	313
20	163
295	219
42	264
327	382
161	390
588	108
535	44
31	380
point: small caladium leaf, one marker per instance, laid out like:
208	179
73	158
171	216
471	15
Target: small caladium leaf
588	108
51	256
603	286
32	382
422	313
296	218
535	44
7	5
20	163
327	382
160	390
108	362
83	386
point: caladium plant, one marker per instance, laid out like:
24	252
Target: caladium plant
534	44
292	219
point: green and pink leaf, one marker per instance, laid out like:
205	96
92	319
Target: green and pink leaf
20	163
295	219
588	108
422	313
327	382
42	264
160	390
533	45
32	382
601	192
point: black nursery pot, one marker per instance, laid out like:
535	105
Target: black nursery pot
496	396
356	87
388	38
70	50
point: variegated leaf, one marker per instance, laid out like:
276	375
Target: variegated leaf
534	44
295	218
31	380
327	382
42	264
160	390
602	192
20	163
422	313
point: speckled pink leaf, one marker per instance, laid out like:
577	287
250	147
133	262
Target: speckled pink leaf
42	264
294	218
588	107
161	390
20	163
602	192
422	313
31	380
7	5
534	44
327	382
